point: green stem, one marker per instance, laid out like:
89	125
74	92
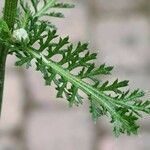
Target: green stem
10	12
9	16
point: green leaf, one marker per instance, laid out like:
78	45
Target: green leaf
55	14
3	26
63	5
48	4
72	69
4	30
42	8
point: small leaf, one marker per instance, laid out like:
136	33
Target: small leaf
4	30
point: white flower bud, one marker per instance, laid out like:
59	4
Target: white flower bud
20	35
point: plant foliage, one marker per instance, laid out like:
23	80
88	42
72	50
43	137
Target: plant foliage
71	67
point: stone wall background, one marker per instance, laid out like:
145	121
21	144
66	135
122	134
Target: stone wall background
33	119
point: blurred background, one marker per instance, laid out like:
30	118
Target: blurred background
33	119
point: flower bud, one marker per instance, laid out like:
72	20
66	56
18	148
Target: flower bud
20	35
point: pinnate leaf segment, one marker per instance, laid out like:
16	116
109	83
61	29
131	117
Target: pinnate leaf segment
71	67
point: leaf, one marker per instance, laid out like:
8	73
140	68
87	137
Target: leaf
115	86
44	8
55	14
63	5
3	26
4	30
70	67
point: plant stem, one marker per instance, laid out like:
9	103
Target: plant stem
10	9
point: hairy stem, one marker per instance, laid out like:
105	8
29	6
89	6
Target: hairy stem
9	16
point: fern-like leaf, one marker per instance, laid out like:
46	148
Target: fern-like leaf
71	68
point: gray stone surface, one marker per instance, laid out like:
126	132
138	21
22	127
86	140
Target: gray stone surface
140	142
12	103
118	4
61	130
